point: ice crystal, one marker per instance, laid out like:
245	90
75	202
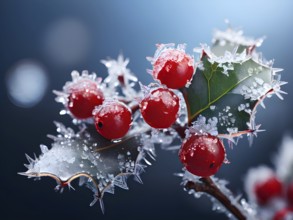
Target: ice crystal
119	75
204	125
78	82
235	38
167	52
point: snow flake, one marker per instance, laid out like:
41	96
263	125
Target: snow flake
204	125
119	74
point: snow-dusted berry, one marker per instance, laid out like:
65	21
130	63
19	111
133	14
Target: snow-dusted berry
202	154
284	214
83	98
289	193
173	68
268	189
160	108
112	119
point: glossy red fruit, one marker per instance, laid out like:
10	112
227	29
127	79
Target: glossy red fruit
289	193
160	108
267	190
173	68
84	98
202	155
112	119
283	214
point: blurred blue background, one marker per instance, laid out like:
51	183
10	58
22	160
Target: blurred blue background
49	39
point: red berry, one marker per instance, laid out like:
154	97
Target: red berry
283	214
173	68
267	190
112	119
83	98
289	194
202	155
160	108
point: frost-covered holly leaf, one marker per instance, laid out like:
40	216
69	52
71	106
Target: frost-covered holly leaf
233	41
229	87
99	163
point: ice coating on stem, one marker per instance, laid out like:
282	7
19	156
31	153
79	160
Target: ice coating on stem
247	210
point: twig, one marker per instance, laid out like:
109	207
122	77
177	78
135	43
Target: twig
208	186
180	129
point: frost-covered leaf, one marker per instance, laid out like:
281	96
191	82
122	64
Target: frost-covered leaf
101	164
229	88
233	41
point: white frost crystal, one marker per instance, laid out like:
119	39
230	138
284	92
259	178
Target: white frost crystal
119	75
235	37
203	125
284	160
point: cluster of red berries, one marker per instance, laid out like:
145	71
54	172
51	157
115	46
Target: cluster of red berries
201	154
174	69
86	100
272	188
159	108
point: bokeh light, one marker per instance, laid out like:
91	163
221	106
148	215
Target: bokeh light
26	83
66	41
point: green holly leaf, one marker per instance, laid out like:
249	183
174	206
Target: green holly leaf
229	88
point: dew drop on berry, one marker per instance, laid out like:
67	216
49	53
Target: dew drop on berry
202	154
160	108
112	119
83	98
173	68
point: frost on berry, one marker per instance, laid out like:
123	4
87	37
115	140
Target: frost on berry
271	189
81	95
230	85
112	119
231	80
172	66
98	163
202	154
284	214
160	108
